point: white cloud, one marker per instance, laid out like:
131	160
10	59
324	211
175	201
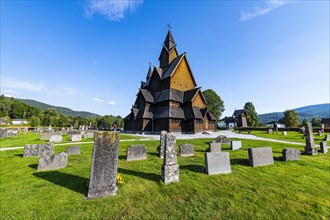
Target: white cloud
68	91
113	10
8	95
11	83
97	100
258	11
112	103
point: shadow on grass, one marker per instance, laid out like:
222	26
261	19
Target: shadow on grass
193	168
122	157
278	158
153	154
18	155
147	176
69	181
240	161
33	166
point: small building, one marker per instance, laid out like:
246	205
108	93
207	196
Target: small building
238	120
19	121
326	122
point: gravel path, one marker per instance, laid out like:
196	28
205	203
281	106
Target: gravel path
148	137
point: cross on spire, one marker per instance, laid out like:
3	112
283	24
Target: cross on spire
169	26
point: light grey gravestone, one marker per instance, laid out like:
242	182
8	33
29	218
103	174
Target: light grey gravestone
217	163
38	150
170	167
235	145
73	150
260	156
270	131
285	133
56	139
136	152
3	133
12	133
323	147
89	135
215	147
76	137
327	137
162	144
104	165
221	139
290	154
46	135
310	148
53	162
186	150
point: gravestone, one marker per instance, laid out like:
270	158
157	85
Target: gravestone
53	162
74	132
89	135
136	152
236	145
215	147
38	150
56	139
162	144
3	133
221	139
290	154
170	167
104	166
319	132
323	147
310	148
73	150
26	130
260	156
76	137
186	150
327	137
12	133
270	131
217	163
285	133
46	135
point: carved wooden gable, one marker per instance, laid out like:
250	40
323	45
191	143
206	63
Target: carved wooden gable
182	78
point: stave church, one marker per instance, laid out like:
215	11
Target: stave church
169	98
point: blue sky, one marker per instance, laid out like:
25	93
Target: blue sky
92	55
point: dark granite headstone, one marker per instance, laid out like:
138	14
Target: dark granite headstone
236	145
290	154
104	166
53	162
215	147
136	152
73	150
221	139
162	144
38	150
217	163
170	168
310	148
186	150
323	147
260	156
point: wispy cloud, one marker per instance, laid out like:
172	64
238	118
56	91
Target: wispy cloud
17	84
113	10
68	91
112	103
97	100
269	6
9	95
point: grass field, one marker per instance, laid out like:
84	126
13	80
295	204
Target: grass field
285	190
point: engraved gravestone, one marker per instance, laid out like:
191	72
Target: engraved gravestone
217	163
73	150
38	150
76	137
46	135
104	166
89	135
56	139
162	144
170	168
53	162
186	150
323	147
215	147
260	156
310	148
290	154
136	152
236	145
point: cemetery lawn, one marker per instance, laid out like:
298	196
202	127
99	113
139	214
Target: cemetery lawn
32	138
285	190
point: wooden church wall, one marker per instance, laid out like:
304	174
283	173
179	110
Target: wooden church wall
198	101
182	79
173	55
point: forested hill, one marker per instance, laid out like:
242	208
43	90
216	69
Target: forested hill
308	112
60	110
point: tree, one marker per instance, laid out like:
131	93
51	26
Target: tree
316	122
291	118
34	121
304	122
214	102
252	116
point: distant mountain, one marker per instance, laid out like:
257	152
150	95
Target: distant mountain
60	110
308	112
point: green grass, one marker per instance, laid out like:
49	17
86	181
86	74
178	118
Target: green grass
285	190
32	138
291	136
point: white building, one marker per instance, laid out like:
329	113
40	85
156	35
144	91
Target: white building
19	121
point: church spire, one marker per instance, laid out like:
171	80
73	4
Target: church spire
168	52
149	71
169	42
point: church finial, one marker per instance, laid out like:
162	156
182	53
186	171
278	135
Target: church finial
169	26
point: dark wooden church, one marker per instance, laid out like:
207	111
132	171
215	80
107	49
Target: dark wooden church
169	99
